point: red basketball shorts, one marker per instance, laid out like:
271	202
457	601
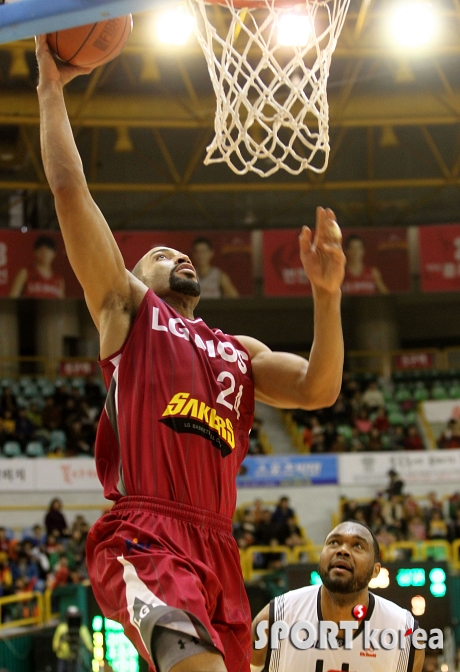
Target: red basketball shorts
163	553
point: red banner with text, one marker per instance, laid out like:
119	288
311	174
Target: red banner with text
377	262
35	265
440	258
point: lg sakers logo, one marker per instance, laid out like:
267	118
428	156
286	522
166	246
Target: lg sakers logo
184	414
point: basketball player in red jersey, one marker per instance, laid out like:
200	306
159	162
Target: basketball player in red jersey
39	281
361	279
175	426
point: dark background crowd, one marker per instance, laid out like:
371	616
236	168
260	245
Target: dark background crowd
47	555
395	516
60	417
364	418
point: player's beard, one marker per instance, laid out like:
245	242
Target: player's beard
353	584
184	285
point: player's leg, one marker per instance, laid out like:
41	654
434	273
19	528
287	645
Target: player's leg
178	652
203	662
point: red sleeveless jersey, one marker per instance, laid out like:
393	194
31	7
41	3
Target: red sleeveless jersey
179	409
39	287
359	284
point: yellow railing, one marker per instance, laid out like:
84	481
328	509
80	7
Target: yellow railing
37	611
310	552
48	614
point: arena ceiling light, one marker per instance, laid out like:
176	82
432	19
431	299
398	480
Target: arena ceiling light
293	30
174	26
413	23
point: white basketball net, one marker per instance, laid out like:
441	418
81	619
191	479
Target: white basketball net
272	109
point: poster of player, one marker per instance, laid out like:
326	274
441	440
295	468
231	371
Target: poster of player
377	262
440	258
35	265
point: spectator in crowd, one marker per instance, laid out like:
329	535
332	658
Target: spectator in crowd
290	533
362	422
340	411
381	421
450	438
396	437
282	512
7	426
413	440
373	397
266	532
51	414
454	526
374	442
25	428
437	526
416	529
55	520
396	484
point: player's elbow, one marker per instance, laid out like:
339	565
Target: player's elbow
316	400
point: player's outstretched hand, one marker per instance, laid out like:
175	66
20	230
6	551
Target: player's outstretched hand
322	257
52	71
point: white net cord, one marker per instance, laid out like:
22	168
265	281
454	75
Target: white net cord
272	110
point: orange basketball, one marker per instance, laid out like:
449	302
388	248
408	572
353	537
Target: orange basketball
91	45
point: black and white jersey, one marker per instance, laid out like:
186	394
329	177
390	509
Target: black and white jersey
305	605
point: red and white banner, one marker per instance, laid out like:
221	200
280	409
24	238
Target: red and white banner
377	262
440	258
72	367
35	265
414	360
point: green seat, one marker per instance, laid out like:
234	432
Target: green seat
392	407
58	439
35	449
345	431
12	449
454	390
421	392
439	392
410	418
402	393
396	418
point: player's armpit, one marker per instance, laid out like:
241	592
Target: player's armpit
259	655
419	659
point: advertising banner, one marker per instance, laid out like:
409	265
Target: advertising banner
48	475
377	262
424	467
409	361
440	258
271	470
441	411
34	264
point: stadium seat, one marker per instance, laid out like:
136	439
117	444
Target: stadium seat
35	449
454	390
439	392
12	449
58	439
396	418
402	393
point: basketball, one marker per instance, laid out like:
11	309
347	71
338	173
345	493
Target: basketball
93	44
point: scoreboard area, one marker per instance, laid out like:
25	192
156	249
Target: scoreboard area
423	588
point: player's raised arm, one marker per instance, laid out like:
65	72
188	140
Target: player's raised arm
288	381
91	247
